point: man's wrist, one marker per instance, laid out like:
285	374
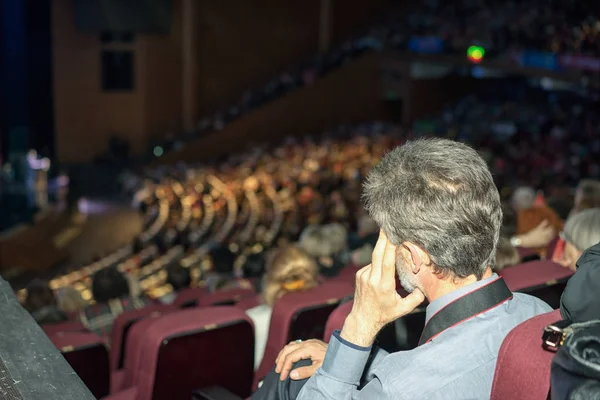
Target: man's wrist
358	331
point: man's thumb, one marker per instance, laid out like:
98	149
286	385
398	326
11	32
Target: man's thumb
303	372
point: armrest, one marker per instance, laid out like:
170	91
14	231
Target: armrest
214	393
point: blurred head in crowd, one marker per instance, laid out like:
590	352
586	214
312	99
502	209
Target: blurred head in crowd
291	269
70	300
523	198
223	260
435	200
587	195
506	255
366	225
582	230
178	277
323	240
39	295
254	265
41	303
561	206
108	284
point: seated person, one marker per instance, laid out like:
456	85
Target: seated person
290	270
362	244
325	243
582	230
113	296
253	269
179	278
70	301
531	217
440	217
42	305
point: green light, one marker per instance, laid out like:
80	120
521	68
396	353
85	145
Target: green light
475	53
158	151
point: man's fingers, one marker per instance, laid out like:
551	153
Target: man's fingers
304	372
283	354
378	254
301	353
388	268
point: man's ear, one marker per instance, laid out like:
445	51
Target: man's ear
419	258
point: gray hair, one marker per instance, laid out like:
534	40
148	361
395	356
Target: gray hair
582	230
439	195
323	241
523	198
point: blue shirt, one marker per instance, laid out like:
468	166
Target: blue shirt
459	363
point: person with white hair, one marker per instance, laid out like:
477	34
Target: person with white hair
582	231
537	225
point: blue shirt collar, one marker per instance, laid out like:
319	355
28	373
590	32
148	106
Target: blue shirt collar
448	298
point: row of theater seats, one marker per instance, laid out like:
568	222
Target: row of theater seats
166	352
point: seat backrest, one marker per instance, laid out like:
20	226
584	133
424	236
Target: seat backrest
225	298
69	326
544	279
248	302
189	297
523	366
193	349
336	319
121	327
88	356
301	315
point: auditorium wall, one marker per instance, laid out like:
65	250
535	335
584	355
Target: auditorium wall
85	115
351	94
235	45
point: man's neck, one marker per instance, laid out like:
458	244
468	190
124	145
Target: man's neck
442	287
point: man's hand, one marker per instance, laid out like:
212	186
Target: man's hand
540	236
312	349
376	302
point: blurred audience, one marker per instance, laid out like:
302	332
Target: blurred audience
325	243
292	269
530	215
70	301
179	278
112	294
587	195
42	305
506	255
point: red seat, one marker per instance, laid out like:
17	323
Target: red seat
544	279
189	297
70	326
170	356
523	366
121	327
248	302
336	319
300	315
225	297
88	356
